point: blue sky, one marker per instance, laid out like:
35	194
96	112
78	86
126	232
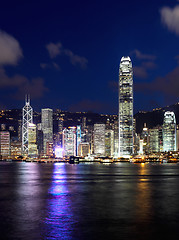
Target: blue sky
66	54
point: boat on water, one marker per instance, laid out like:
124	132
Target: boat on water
164	161
74	160
137	160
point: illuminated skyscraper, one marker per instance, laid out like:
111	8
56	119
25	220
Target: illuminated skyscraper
116	137
169	132
69	141
47	127
145	138
154	141
4	144
99	139
27	118
109	142
32	140
78	138
60	132
125	108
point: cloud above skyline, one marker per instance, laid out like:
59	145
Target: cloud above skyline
22	85
170	18
139	55
89	105
10	50
146	63
50	65
167	85
56	49
142	70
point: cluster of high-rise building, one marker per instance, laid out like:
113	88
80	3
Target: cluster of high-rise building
51	136
161	138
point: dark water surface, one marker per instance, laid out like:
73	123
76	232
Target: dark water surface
89	201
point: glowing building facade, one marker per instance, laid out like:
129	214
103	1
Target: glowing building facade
154	146
4	144
69	141
99	139
109	142
47	127
84	149
125	108
32	140
78	138
169	132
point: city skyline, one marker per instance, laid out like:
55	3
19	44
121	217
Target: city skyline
73	65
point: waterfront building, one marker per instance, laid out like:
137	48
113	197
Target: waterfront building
90	137
60	132
69	141
145	138
160	129
141	151
59	152
99	139
136	143
49	149
83	130
78	138
19	130
47	127
4	144
125	108
32	140
169	132
116	138
16	148
39	139
84	149
109	142
27	118
177	141
154	141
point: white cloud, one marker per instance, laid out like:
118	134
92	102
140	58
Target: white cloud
50	66
140	72
10	50
56	66
75	59
143	56
22	85
54	49
43	65
170	18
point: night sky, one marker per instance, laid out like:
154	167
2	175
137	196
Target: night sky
66	54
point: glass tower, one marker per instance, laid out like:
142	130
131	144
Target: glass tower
125	108
169	132
47	127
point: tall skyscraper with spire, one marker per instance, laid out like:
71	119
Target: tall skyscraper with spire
27	118
125	108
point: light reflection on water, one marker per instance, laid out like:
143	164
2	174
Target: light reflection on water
89	201
59	222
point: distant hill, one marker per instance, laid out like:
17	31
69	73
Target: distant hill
155	117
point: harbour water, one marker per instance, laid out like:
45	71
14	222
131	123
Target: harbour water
89	201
